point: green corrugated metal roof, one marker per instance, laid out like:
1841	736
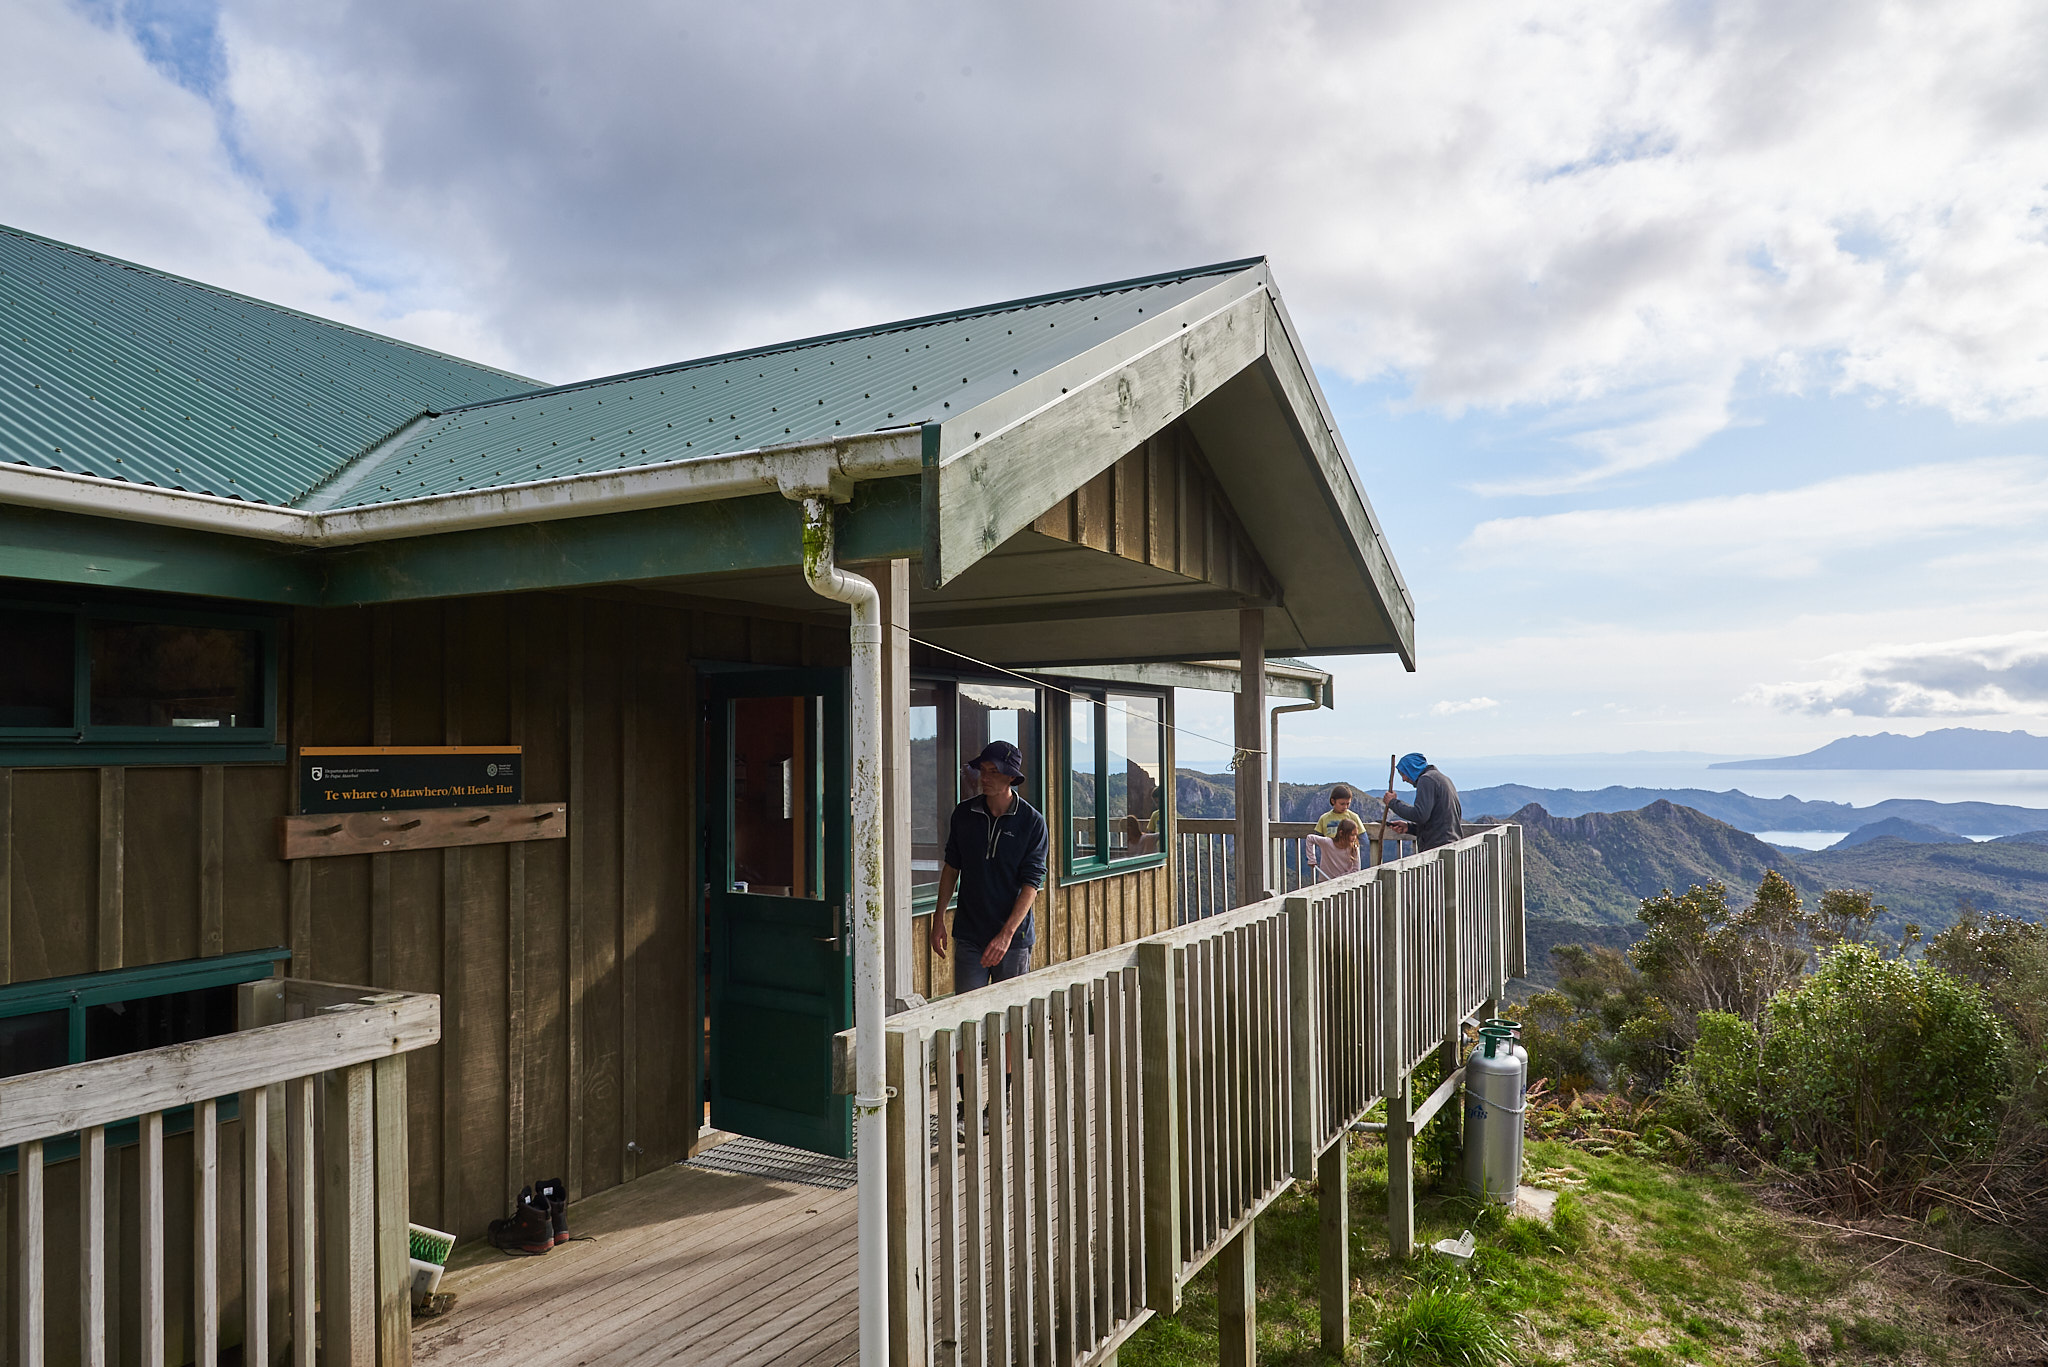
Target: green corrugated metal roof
895	375
116	370
113	369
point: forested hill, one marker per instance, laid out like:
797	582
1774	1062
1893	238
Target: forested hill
1598	868
1587	874
1763	813
1215	796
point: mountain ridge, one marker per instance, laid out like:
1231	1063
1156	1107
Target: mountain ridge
1952	747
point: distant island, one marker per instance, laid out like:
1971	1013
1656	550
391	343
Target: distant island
1955	747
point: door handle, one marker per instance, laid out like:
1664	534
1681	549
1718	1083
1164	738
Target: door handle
834	938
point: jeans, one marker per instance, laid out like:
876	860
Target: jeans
969	974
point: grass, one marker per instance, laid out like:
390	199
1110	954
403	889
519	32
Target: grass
1642	1264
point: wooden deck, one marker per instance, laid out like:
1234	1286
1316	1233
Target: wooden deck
681	1266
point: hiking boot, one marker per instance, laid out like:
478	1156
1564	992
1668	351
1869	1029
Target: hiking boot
553	1197
528	1230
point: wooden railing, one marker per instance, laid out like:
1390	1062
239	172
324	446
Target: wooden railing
316	1081
1108	1126
1205	861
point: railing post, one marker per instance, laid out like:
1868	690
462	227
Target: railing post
1159	1095
1304	1049
1496	930
1237	1299
909	1315
1333	1204
1250	761
394	1196
1454	1005
348	1264
1513	913
1400	1135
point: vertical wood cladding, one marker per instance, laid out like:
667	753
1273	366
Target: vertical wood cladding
1161	506
568	967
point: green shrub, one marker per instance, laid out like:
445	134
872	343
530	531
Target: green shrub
1883	1063
1724	1070
1439	1327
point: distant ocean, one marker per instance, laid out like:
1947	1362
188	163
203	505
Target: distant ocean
1684	769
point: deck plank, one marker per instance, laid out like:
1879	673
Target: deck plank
683	1265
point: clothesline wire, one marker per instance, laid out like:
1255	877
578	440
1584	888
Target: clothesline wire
1235	749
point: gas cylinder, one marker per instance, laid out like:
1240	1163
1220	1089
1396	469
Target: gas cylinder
1496	1079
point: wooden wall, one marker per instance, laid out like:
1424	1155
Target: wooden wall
1160	505
568	967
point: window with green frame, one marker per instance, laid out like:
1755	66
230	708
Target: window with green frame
53	1022
951	719
1117	784
110	682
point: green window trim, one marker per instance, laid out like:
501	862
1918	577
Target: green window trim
85	743
79	992
1100	864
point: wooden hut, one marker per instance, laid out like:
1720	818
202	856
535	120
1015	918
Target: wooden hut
324	652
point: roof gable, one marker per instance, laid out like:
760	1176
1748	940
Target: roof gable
120	371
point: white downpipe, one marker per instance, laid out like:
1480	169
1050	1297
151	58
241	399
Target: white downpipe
1273	751
869	1068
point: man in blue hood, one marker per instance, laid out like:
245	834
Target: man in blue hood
1434	816
995	853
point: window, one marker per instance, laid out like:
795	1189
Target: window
1116	776
777	842
950	721
53	1022
105	683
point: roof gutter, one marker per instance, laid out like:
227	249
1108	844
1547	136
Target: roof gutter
835	465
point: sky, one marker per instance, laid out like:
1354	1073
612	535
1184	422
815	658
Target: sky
1694	356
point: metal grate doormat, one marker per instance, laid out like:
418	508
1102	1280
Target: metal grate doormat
759	1158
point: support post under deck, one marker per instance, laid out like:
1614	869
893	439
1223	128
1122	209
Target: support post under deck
1249	739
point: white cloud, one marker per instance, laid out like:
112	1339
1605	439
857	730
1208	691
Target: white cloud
1601	215
1777	534
1448	708
1978	676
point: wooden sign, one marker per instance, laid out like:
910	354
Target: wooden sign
396	778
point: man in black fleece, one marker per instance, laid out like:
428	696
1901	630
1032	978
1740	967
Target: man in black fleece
995	853
1434	815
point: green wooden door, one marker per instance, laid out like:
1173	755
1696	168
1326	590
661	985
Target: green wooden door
778	857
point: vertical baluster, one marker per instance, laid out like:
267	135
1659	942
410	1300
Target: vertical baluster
151	1197
302	1231
945	1054
1024	1266
1043	1140
206	1233
1133	1194
1110	1234
1229	1007
255	1117
1084	1174
28	1187
92	1246
978	1275
1186	1042
1066	1315
1002	1273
